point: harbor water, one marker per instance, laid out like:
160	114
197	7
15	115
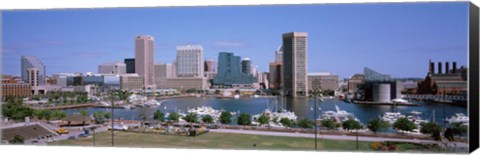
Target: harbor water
302	107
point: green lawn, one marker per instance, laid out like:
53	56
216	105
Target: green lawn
217	140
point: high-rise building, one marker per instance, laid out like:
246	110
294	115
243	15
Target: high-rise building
33	78
247	66
32	62
144	62
210	66
275	78
279	54
130	63
190	61
162	72
112	68
229	71
295	64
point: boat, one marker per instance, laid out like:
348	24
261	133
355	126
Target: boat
414	112
339	115
399	100
458	118
236	96
152	102
391	117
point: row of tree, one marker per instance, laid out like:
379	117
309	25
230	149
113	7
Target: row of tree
16	110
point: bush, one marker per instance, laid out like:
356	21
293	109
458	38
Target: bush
225	117
305	123
244	119
286	122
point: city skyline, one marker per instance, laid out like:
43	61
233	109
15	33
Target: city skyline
395	37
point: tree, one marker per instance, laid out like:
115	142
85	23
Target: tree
191	118
376	125
17	139
15	109
207	119
404	124
351	124
107	115
237	91
84	112
173	117
225	117
431	128
158	115
450	134
217	92
459	128
244	119
263	119
99	117
286	122
305	123
59	114
330	124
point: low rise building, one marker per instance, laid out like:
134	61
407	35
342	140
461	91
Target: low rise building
200	83
323	81
131	81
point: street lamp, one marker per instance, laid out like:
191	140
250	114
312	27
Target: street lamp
315	93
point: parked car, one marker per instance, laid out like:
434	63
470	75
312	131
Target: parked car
61	131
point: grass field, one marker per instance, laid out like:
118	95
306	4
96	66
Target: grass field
220	141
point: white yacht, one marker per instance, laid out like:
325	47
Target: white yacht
458	118
391	117
236	96
338	114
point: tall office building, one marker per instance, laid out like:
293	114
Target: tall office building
275	75
33	78
247	66
229	71
112	68
190	61
144	62
32	62
130	63
279	54
295	64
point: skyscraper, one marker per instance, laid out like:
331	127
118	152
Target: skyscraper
130	62
229	71
247	66
295	64
279	54
190	61
28	62
144	62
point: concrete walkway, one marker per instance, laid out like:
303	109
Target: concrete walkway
339	137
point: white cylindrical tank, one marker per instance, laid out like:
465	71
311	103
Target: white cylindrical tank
381	92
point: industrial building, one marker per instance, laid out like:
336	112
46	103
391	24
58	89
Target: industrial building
450	82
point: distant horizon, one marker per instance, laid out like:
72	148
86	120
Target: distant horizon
392	38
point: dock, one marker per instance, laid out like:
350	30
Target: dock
384	103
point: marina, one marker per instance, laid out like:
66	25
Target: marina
301	107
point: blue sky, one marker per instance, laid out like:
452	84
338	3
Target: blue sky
395	38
